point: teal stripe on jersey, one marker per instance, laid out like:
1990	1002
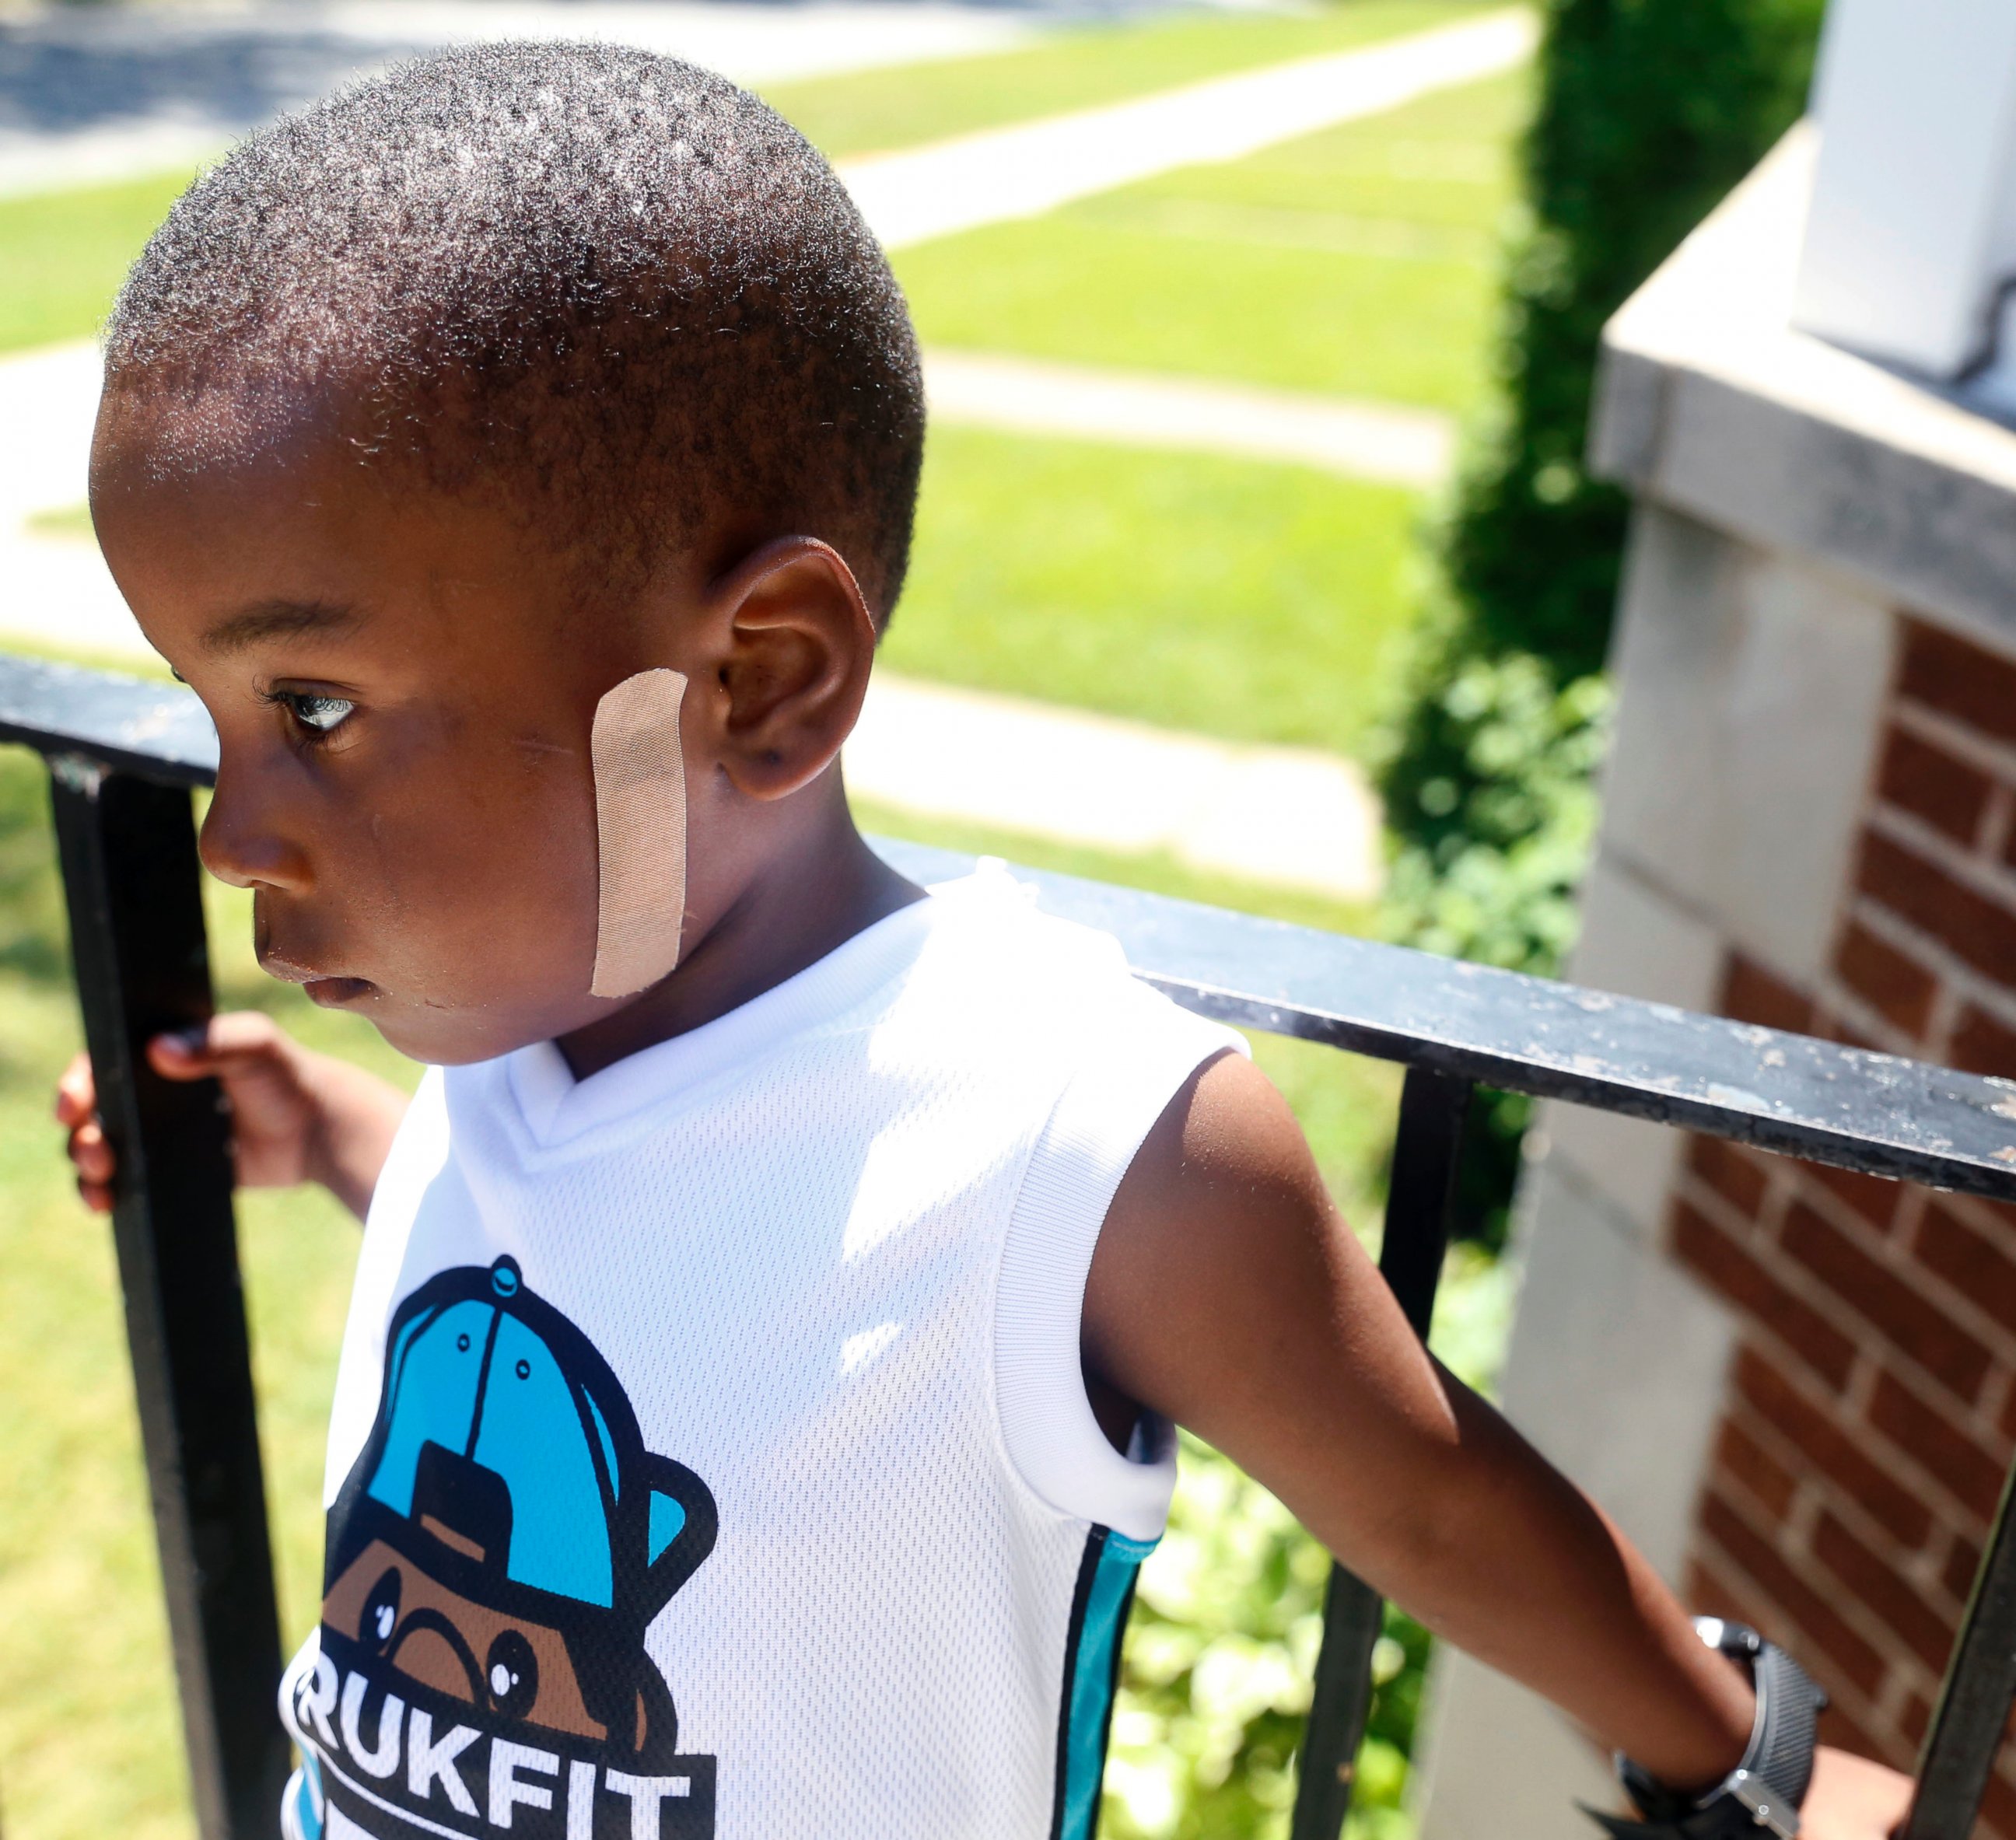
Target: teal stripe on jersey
1092	1674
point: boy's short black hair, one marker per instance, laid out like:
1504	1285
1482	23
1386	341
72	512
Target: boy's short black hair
613	288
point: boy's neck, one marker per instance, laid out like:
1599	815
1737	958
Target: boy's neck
803	905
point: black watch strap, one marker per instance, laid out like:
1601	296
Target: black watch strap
1763	1794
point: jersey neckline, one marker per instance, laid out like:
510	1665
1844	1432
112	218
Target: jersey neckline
556	1107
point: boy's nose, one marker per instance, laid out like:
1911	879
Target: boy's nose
241	844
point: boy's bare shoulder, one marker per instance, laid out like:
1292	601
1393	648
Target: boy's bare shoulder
1221	1242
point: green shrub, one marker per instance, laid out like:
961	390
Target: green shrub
1219	1655
1215	1681
1650	111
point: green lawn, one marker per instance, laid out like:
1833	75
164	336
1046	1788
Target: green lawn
1259	603
1362	260
63	255
875	110
72	524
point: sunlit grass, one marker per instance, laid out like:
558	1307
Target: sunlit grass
72	524
1255	602
874	111
1360	261
63	255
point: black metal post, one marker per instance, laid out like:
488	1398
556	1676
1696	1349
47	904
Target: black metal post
132	880
1974	1702
1425	1153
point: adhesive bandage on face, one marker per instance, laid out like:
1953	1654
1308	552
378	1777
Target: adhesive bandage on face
640	831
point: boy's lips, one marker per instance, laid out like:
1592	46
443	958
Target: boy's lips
319	987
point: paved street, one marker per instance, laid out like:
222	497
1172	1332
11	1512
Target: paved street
100	92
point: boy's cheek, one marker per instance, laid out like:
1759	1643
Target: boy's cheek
481	935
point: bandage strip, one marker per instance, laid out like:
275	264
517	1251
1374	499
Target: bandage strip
640	824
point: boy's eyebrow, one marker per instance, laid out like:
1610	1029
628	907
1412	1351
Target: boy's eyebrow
277	619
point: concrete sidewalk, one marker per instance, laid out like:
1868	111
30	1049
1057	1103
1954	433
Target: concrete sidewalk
1142	408
1289	817
1034	166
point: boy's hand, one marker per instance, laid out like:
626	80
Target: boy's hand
1851	1799
295	1116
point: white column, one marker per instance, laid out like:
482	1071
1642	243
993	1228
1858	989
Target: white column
1913	228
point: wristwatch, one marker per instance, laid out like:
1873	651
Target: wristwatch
1763	1791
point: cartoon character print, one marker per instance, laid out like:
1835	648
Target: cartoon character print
494	1557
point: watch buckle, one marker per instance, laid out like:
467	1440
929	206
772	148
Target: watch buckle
1767	1809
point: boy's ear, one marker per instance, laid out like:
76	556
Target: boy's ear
797	642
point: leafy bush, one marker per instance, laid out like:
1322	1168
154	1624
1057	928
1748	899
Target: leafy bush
1215	1677
1650	111
1216	1682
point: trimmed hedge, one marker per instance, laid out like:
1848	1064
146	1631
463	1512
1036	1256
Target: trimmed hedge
1649	112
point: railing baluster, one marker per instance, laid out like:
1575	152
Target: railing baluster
1975	1701
1425	1152
132	882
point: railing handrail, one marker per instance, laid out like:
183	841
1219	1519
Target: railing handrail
1878	1113
122	753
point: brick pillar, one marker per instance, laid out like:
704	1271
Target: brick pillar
1871	1410
1795	1389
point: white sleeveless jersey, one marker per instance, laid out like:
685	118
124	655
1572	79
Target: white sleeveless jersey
710	1454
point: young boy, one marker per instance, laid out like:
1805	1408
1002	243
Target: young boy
773	1307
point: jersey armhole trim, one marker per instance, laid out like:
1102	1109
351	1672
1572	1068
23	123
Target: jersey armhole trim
1145	1053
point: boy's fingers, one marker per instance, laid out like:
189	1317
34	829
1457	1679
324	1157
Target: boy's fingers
77	1094
190	1053
94	1195
90	1154
184	1057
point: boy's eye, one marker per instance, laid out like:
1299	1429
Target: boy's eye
323	714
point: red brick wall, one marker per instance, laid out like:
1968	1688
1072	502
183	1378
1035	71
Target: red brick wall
1872	1410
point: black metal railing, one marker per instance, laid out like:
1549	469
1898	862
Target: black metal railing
123	755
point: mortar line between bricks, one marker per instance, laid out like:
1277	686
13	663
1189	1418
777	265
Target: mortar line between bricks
1901	1261
1906	936
1976	1521
1843	1005
1995	824
1893	1647
1989	879
1996	758
1881	1648
1891	1650
1730	1576
1822	1485
1860	1394
1841	1315
1999	1340
1943	1019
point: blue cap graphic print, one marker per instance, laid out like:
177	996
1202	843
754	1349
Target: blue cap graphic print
494	1557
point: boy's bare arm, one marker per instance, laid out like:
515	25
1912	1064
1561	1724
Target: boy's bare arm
1227	1294
296	1115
